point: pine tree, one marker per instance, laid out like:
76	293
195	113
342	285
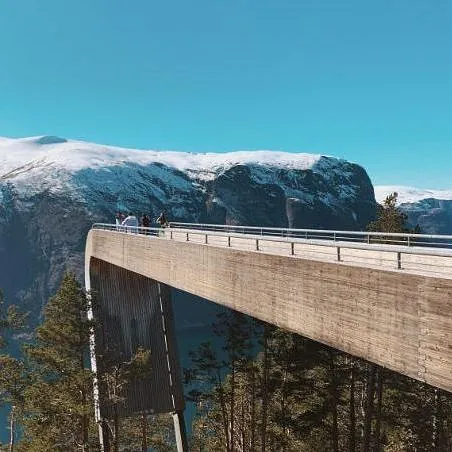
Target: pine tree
116	375
305	383
158	431
13	374
220	400
316	399
390	218
58	409
210	429
14	380
264	383
11	319
234	327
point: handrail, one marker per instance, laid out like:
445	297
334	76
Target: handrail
325	231
395	238
122	228
384	247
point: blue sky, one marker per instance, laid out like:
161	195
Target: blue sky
369	81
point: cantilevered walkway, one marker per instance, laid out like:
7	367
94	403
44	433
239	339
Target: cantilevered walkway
386	298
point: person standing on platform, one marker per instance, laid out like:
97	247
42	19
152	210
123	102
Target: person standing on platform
131	223
145	222
118	220
162	221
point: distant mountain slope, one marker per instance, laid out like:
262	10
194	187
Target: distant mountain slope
53	189
410	194
430	209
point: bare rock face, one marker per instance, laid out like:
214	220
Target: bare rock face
40	238
434	216
332	195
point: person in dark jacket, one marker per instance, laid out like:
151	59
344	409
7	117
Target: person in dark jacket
145	221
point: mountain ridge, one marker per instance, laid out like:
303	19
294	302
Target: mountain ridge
74	155
52	190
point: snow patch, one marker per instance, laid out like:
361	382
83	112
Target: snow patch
37	152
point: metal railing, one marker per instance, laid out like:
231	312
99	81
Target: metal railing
340	246
424	240
156	232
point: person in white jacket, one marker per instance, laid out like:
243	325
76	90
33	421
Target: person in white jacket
131	223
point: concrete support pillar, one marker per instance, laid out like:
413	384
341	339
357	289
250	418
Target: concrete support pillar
179	430
134	311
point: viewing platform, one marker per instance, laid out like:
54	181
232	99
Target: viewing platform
386	298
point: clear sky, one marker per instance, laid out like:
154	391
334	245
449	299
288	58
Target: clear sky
366	80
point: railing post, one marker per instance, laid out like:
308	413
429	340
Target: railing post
338	253
409	240
334	237
306	235
368	238
229	241
399	260
257	244
292	248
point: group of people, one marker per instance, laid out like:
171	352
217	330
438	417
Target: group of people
131	221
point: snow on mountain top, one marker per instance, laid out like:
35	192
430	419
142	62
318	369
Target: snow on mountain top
20	156
410	194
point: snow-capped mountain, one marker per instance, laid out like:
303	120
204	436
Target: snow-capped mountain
410	194
53	189
51	161
119	179
430	209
